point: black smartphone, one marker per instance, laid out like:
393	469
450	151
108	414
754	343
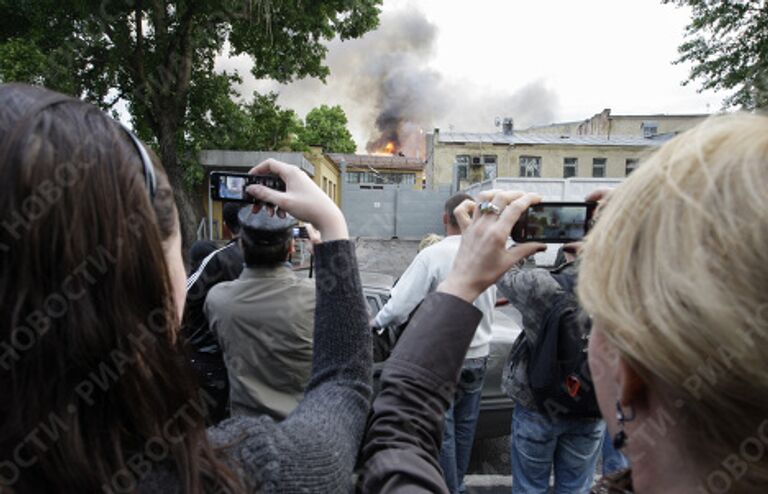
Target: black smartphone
231	186
554	222
300	232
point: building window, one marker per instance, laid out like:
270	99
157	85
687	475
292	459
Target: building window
462	166
380	178
530	166
325	185
631	165
570	167
404	178
334	191
650	128
598	167
489	166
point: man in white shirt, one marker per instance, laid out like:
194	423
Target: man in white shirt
427	270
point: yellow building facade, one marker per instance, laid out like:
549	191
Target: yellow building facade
327	174
463	159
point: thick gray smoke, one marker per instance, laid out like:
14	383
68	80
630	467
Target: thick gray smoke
391	94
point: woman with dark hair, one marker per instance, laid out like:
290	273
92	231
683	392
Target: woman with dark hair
97	393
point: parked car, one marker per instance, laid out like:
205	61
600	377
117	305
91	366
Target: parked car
495	407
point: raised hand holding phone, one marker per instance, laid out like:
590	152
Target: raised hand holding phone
483	255
302	199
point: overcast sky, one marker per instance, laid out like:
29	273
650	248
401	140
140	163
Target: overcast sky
458	64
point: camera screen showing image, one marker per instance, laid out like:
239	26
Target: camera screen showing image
300	232
554	223
231	186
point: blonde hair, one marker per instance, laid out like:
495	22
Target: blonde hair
429	239
676	270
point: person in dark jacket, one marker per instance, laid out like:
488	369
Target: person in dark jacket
217	266
544	443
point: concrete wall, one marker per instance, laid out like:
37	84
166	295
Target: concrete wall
393	212
551	189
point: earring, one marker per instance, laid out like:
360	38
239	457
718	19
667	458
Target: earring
620	439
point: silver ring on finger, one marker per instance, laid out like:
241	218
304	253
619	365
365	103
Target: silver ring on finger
487	207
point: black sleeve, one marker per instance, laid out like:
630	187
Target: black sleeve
400	451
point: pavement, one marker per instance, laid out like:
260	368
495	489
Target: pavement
488	484
390	257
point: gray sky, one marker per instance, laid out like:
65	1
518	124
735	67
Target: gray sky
458	64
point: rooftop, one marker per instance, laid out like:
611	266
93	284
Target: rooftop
549	139
377	161
220	158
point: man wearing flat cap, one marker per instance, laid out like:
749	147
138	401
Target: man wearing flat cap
264	320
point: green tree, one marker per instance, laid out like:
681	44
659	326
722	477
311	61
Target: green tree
727	43
158	57
260	124
326	126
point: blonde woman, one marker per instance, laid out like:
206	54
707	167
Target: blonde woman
675	277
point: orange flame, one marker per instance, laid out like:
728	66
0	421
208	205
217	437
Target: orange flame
389	149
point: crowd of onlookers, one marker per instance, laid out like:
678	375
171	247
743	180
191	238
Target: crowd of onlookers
124	371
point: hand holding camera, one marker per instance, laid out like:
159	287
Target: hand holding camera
483	255
302	199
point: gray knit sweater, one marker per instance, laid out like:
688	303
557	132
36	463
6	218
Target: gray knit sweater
314	448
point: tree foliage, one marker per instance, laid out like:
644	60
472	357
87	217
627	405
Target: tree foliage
727	43
326	126
157	56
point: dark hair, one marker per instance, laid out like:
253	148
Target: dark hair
199	251
258	253
452	203
90	362
229	212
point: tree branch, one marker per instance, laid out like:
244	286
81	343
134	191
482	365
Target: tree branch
183	39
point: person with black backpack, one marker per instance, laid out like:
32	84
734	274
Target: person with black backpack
556	423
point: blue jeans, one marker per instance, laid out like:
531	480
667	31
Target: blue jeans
460	421
539	444
613	459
